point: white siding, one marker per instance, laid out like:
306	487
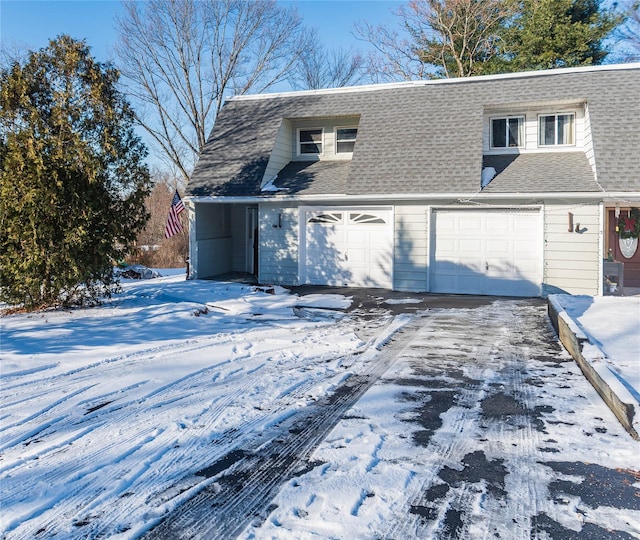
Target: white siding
588	142
278	256
281	153
572	260
411	253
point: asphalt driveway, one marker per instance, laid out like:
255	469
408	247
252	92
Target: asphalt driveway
500	422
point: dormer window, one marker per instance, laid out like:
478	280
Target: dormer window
345	139
310	141
556	129
507	132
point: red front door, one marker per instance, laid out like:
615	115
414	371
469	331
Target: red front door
612	247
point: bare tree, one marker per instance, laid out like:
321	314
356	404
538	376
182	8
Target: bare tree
394	56
444	38
181	58
629	33
320	67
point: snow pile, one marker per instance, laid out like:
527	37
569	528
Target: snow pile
488	174
612	326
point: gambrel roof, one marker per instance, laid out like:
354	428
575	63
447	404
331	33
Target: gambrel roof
426	137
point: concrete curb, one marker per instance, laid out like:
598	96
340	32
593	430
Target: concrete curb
611	390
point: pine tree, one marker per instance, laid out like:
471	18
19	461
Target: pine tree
549	34
73	180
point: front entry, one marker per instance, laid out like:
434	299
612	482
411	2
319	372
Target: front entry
618	252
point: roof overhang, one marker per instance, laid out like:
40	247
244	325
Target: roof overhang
592	196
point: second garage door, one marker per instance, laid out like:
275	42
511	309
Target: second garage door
488	252
347	246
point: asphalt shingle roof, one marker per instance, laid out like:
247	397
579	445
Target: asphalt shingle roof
314	177
555	172
427	138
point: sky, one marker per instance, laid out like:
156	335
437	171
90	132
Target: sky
30	24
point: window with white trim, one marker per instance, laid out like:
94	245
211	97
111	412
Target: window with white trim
310	141
346	139
556	129
507	132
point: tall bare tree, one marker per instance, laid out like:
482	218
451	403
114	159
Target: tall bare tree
320	67
629	33
181	58
445	38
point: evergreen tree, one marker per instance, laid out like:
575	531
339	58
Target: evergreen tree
461	38
549	34
72	177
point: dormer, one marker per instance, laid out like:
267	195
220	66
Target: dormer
535	127
312	139
324	138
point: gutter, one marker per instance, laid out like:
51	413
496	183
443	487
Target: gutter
461	197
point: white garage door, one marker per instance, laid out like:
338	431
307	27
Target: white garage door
347	246
492	252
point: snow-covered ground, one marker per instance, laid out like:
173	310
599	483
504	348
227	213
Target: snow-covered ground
104	410
612	326
107	413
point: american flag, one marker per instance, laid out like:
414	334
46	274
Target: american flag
174	225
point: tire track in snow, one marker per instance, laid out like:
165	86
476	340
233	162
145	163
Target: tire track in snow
123	413
453	503
225	507
439	368
90	516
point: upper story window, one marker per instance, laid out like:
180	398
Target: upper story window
507	132
556	129
310	141
345	139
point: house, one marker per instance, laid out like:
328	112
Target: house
507	185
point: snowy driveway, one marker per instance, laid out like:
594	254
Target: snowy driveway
204	410
472	423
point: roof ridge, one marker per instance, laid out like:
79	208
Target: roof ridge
430	82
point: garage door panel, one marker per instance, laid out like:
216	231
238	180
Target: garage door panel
469	284
495	252
468	246
468	224
497	246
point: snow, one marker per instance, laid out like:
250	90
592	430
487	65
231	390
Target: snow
107	413
488	174
612	326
